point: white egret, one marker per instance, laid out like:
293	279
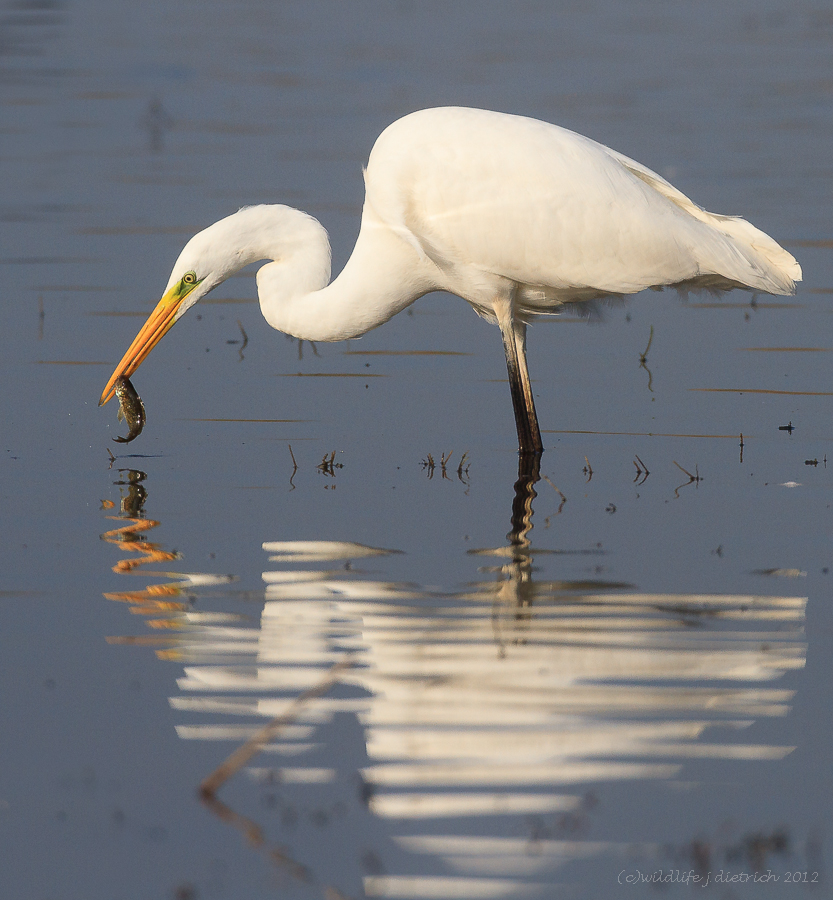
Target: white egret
514	215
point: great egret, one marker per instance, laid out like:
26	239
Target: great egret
514	215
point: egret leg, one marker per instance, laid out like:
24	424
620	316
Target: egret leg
526	419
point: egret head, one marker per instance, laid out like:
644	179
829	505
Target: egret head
207	260
271	232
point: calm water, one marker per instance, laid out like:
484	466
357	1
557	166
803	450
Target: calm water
547	688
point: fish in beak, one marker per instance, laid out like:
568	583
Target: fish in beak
159	323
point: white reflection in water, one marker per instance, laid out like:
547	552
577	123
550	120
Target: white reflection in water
506	699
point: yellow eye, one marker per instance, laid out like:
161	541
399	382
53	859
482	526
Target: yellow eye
190	278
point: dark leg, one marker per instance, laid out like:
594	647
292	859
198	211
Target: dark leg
528	475
526	420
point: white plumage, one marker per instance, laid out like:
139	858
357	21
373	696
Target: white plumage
514	215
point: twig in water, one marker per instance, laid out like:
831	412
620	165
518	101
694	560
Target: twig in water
463	469
557	491
254	835
643	359
428	463
294	466
691	478
444	458
245	339
684	471
641	470
248	827
328	466
256	743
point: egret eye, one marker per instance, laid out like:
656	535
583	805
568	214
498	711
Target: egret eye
189	279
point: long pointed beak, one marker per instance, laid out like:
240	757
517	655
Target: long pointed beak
159	323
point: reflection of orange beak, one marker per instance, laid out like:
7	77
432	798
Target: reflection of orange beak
159	323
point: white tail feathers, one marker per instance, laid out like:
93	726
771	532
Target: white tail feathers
777	270
749	258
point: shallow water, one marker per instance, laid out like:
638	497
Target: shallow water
549	688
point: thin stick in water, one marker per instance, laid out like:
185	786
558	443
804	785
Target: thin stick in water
256	743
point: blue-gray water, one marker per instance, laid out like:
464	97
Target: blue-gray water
641	687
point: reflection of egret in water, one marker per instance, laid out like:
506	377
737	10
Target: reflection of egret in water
490	715
173	599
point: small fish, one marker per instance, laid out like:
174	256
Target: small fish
131	409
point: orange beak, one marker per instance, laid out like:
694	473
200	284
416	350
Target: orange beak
159	323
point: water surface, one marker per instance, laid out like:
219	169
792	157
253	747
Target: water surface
549	687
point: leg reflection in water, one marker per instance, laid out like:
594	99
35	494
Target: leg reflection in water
481	719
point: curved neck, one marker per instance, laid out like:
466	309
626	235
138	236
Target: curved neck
383	276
